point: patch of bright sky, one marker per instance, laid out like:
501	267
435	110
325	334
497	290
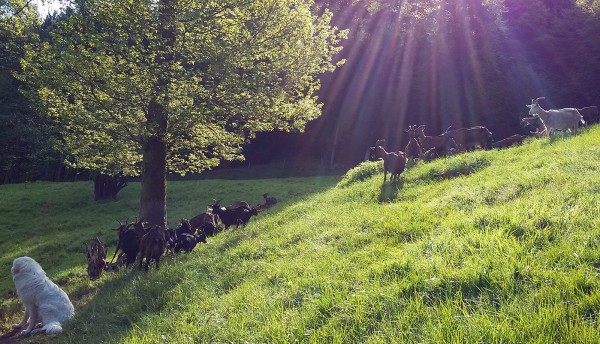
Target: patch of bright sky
48	6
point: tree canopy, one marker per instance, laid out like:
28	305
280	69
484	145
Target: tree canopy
147	87
220	71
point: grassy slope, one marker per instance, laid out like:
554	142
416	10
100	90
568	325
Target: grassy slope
493	246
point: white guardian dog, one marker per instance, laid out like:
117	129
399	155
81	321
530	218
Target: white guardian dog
44	301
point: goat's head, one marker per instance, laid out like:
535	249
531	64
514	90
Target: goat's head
373	156
380	142
123	226
412	131
215	207
201	236
524	122
535	107
420	131
140	227
378	153
185	223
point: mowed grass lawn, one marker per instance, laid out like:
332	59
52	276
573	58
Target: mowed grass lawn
489	246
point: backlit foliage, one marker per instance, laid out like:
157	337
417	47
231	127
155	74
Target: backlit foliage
232	69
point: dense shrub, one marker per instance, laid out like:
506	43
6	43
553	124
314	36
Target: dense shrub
361	172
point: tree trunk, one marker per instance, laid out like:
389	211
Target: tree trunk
153	199
153	196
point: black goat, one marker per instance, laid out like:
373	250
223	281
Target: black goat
128	244
245	215
171	239
184	227
140	227
208	228
187	242
590	114
231	215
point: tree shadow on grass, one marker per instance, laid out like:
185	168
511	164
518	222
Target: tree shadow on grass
133	295
460	166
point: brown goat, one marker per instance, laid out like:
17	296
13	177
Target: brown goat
152	246
394	162
96	258
269	200
438	143
413	148
532	122
428	155
202	218
513	140
471	138
539	134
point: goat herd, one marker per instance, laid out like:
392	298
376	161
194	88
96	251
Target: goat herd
140	242
426	148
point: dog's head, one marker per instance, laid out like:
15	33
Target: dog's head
25	265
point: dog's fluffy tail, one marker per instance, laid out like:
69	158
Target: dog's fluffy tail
53	327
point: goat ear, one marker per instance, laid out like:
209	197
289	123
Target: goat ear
529	106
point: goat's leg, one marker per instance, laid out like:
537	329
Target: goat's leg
117	250
141	258
157	263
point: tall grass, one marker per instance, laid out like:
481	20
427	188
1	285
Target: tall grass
489	246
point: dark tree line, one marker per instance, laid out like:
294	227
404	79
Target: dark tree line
440	63
27	137
450	63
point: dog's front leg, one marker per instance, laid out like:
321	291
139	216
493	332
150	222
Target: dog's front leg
24	320
33	315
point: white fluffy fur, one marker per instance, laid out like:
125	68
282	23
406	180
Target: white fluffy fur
44	301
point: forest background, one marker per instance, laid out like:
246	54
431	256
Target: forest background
441	63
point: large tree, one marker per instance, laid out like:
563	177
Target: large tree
147	87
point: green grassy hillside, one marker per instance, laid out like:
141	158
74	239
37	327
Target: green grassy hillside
489	246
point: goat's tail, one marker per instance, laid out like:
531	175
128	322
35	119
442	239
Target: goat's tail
53	327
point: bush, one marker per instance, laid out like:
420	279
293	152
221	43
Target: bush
361	172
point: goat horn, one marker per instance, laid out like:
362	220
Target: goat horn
538	99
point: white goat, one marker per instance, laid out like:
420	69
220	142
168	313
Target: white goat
562	119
